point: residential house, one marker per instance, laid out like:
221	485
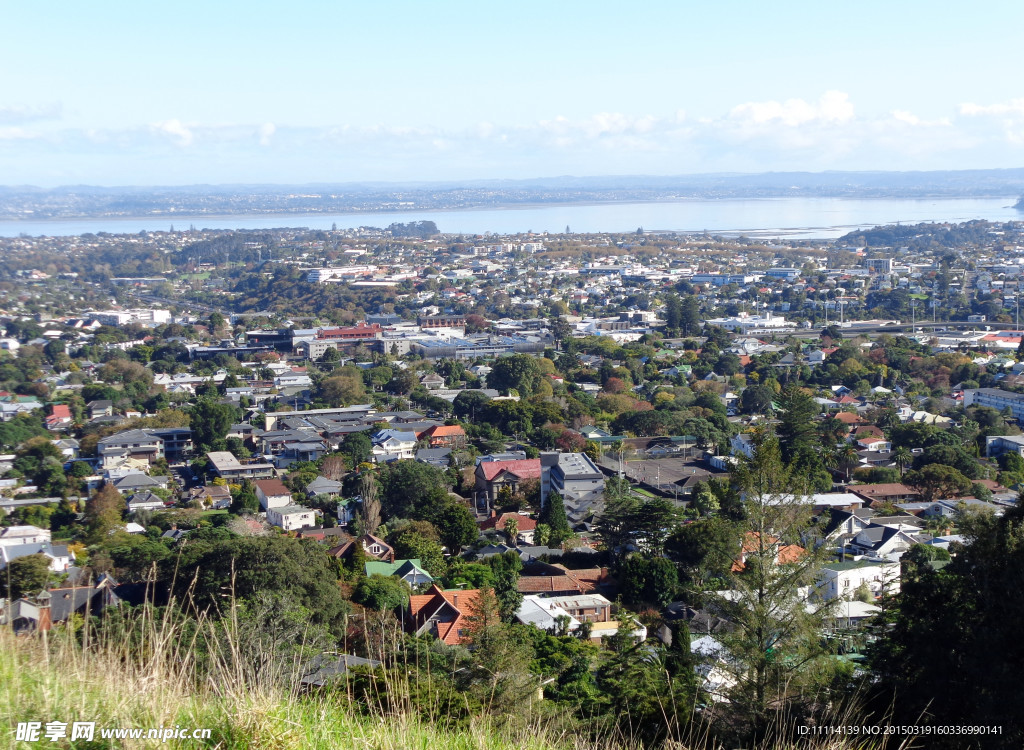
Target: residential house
59	417
100	408
782	554
323	487
411	571
374	547
328	668
893	492
525	525
577	479
432	381
212	496
446	436
144	500
552	579
272	493
391	445
59	556
439	457
13	536
135	447
493	476
844	580
442	614
291	517
226	466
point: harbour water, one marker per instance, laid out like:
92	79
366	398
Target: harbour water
802	218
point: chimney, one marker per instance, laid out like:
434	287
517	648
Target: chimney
455	600
45	618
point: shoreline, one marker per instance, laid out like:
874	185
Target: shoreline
533	205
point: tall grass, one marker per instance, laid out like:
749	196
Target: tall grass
153	678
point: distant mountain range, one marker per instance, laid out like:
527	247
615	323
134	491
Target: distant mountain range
87	201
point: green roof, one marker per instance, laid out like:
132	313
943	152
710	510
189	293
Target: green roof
379	568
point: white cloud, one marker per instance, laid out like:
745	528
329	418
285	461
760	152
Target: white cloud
832	106
266	132
1013	107
174	130
17	114
826	132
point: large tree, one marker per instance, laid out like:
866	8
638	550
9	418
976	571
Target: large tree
516	371
938	482
796	428
948	649
775	650
210	422
27	575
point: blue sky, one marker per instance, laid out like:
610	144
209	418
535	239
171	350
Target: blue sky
120	93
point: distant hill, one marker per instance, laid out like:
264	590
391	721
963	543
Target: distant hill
89	201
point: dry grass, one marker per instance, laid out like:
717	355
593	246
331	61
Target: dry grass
83	677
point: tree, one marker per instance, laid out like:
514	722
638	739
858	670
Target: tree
704	501
506	569
210	422
456	525
796	431
341	390
776	648
409	489
358	447
382	593
973	602
705	550
673	314
103	512
371	502
206	575
519	372
689	323
28	575
470	403
554	517
419	540
903	458
936	481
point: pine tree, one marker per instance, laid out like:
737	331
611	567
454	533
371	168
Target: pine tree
553	515
776	653
690	316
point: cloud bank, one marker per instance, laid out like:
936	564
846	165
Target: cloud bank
829	132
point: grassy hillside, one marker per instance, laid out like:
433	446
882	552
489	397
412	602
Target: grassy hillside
117	685
73	686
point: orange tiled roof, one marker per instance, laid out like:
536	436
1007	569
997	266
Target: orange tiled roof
524	523
446	430
525	468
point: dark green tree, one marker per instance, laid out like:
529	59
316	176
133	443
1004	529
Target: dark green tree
382	593
28	575
210	422
505	578
554	517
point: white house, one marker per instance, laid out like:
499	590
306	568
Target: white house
393	444
59	556
291	517
842	580
272	493
13	536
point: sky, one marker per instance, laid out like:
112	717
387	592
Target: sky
143	93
